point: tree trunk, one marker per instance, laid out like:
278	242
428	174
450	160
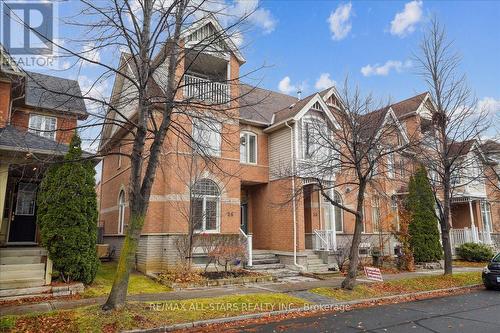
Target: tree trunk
445	229
118	295
350	279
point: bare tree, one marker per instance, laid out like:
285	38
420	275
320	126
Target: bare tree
354	151
456	126
155	104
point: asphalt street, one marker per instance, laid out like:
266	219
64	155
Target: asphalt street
473	312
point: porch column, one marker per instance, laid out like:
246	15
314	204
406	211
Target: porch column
472	224
334	227
4	174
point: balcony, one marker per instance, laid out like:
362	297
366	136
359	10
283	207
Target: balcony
205	90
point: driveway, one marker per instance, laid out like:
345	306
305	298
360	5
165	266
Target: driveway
477	311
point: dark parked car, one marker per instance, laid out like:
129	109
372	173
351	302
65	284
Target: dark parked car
491	273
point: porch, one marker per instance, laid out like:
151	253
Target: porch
23	264
471	222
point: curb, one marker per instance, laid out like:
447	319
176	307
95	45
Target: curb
310	308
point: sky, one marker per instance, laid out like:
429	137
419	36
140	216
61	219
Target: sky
310	45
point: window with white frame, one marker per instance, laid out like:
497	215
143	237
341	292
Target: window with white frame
391	165
486	216
205	206
332	215
43	126
376	213
121	212
315	139
207	136
395	211
248	148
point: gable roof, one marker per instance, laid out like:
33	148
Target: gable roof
259	105
461	148
211	19
408	105
54	93
7	64
292	110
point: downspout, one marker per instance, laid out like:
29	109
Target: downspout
293	199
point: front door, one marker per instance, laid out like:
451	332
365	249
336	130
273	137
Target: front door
244	217
23	224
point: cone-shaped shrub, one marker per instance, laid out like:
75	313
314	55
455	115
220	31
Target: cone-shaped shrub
423	228
67	216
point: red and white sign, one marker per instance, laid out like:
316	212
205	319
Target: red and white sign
373	273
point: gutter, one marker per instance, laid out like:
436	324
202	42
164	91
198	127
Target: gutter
294	209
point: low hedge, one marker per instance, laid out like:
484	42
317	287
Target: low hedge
475	252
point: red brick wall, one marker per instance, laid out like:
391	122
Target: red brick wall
4	102
65	124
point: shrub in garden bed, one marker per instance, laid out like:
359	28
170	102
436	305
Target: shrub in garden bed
475	252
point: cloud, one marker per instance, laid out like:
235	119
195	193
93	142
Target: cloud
385	69
489	105
340	25
229	12
324	81
91	52
404	22
285	86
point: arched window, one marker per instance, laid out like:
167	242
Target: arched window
333	215
205	206
121	212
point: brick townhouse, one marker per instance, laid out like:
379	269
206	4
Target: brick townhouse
38	116
245	194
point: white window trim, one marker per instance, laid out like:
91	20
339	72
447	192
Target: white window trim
391	165
119	156
204	215
209	151
121	212
247	155
34	130
376	204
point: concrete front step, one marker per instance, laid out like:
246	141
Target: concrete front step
22	267
4	294
266	261
21	283
266	267
315	261
22	252
259	256
20	274
20	260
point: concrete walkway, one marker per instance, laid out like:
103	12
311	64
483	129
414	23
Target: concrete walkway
298	289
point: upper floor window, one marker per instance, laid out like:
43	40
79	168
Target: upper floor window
121	212
248	148
315	139
395	211
376	213
44	126
207	136
391	165
205	206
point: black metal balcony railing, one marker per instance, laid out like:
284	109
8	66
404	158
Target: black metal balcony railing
205	90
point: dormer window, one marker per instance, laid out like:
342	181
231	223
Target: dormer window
43	126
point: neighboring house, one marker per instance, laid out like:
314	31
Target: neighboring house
266	137
38	116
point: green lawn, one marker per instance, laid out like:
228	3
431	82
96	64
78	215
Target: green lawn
396	287
138	283
148	315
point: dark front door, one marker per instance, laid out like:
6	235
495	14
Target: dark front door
244	217
23	224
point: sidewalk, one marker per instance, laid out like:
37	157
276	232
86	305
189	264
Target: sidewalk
299	289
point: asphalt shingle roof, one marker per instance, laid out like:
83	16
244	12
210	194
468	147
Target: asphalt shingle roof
14	139
54	93
257	104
